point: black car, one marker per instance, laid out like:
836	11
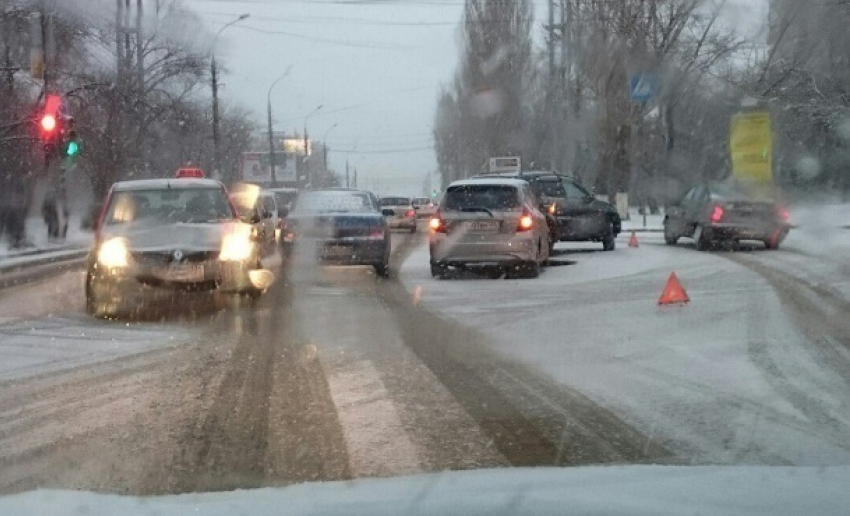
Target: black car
720	212
575	215
345	226
159	236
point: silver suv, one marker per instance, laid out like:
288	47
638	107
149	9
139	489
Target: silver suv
489	222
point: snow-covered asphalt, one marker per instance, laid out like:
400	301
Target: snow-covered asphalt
336	374
755	370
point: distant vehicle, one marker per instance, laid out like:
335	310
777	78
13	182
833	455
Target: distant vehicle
259	209
425	207
158	236
489	222
403	213
346	226
284	196
575	215
720	212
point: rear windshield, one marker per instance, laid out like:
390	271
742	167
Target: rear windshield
168	206
420	201
491	197
395	201
334	202
549	187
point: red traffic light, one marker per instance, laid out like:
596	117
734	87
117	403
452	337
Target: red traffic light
48	122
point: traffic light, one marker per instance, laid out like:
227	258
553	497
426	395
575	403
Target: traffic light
49	122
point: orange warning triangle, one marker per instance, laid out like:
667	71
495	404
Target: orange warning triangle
633	240
673	293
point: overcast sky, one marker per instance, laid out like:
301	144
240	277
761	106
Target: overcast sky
375	66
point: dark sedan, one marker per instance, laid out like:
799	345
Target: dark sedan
342	226
724	212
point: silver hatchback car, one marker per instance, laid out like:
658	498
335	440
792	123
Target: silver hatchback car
489	222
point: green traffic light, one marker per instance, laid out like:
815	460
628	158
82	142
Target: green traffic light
73	149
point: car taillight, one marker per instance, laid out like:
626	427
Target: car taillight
784	214
552	209
717	214
436	224
525	222
377	233
410	214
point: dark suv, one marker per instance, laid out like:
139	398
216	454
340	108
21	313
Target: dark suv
574	214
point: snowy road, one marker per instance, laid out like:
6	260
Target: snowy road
756	370
335	374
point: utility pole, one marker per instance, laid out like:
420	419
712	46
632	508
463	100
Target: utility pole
214	79
347	183
140	83
271	145
355	177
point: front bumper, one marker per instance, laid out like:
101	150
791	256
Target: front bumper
196	277
502	250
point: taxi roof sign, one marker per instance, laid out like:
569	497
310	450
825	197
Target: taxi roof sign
190	173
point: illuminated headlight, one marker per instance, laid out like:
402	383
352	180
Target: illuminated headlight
113	253
236	245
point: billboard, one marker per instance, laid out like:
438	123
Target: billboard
751	147
505	164
256	167
296	146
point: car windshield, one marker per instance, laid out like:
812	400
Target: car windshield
492	197
167	206
331	201
425	257
395	201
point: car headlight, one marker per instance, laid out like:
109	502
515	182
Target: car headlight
236	246
113	253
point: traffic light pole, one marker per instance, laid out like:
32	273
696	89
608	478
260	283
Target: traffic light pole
216	156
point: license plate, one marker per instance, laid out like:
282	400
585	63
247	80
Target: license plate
482	226
337	251
184	273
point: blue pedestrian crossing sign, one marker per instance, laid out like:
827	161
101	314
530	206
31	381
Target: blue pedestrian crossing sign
641	87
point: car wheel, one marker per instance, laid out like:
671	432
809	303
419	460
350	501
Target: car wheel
95	305
771	244
669	237
609	241
382	269
702	239
438	271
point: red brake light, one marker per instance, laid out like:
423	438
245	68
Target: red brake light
436	224
525	222
410	214
717	214
784	214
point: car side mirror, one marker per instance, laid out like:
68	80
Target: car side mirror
283	212
387	212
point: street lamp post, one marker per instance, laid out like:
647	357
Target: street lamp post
306	141
272	158
214	77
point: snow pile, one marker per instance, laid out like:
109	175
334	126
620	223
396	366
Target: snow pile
631	490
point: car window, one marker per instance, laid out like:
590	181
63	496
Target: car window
574	191
334	202
395	201
549	187
168	206
489	196
269	204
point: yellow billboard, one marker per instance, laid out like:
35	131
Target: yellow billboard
751	147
